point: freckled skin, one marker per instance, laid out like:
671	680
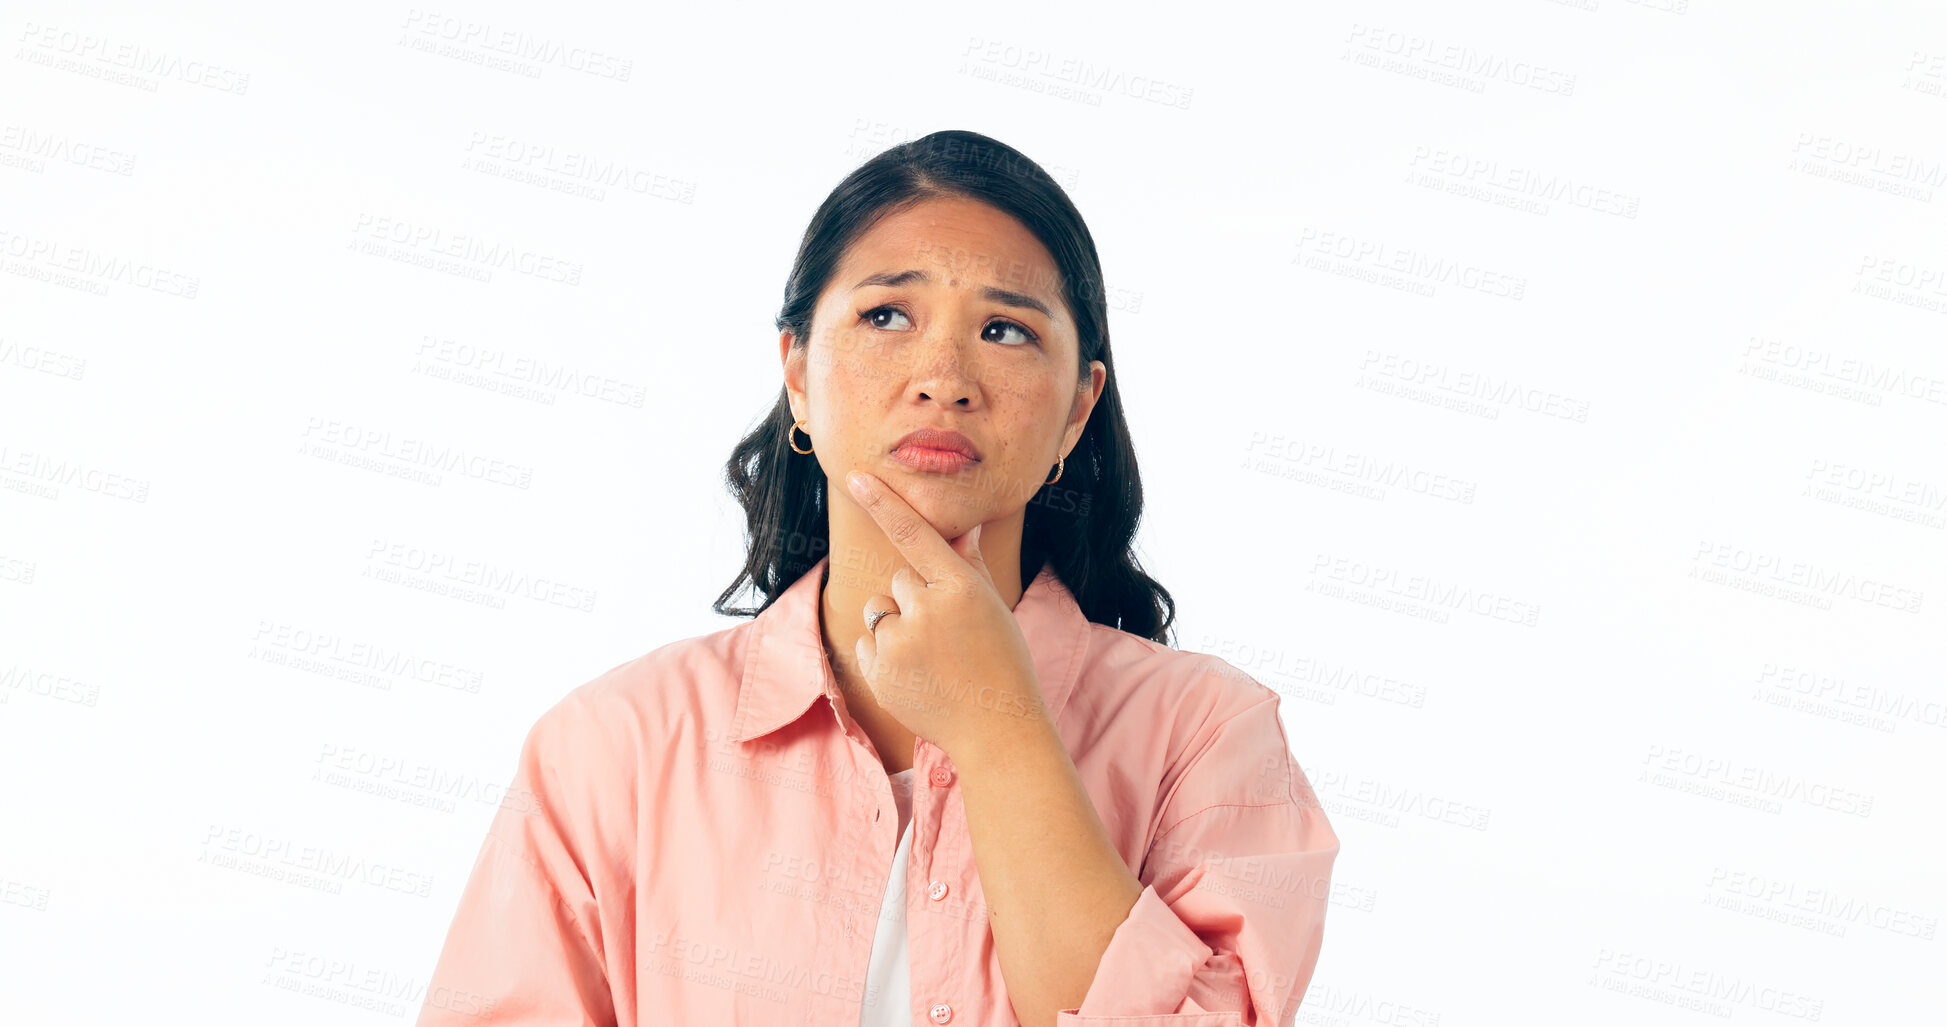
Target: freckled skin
944	359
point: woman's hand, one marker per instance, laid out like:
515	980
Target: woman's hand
949	662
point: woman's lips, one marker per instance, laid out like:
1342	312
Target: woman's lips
934	461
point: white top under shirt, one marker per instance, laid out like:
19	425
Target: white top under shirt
888	977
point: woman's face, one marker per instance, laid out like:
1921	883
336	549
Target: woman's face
948	315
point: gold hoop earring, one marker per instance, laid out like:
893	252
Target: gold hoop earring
1061	462
791	436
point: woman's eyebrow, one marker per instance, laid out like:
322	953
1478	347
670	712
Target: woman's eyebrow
1012	299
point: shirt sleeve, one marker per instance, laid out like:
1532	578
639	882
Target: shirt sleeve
525	946
1228	928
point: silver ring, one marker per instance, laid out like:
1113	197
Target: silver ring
872	619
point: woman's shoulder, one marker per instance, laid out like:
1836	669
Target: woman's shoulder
584	757
1138	681
1136	664
688	680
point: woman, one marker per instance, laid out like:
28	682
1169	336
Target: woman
727	830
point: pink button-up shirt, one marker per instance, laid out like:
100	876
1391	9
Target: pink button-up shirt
703	837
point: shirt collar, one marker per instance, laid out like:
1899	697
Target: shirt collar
786	671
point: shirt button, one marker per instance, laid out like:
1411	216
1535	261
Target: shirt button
941	777
941	1013
937	892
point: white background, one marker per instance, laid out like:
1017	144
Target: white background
1546	398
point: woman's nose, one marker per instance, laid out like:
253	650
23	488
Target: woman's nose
945	371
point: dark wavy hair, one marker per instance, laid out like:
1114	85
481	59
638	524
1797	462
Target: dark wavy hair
1082	525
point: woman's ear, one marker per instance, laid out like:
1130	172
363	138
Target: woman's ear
1086	395
793	361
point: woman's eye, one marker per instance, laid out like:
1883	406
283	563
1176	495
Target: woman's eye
873	315
1026	336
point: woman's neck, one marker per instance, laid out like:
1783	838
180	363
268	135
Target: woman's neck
861	565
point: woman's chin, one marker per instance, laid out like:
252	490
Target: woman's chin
951	520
